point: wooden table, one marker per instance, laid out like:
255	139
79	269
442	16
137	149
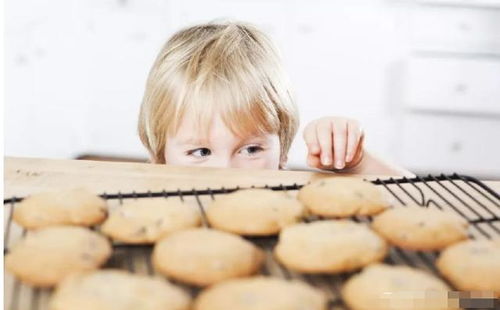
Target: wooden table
25	176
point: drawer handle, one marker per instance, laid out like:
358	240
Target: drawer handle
461	88
463	26
456	147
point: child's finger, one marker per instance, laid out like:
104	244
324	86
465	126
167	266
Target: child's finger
313	161
353	135
324	134
358	154
311	139
339	142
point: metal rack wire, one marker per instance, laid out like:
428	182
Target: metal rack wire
464	195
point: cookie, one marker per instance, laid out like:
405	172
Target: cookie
69	207
329	247
472	265
117	290
420	228
261	293
384	287
343	197
254	212
148	220
44	257
202	256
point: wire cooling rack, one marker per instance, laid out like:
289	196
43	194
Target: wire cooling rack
464	195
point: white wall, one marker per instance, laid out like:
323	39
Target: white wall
75	70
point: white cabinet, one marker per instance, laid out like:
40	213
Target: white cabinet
450	144
454	84
450	109
461	30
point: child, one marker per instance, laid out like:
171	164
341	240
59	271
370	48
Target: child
217	96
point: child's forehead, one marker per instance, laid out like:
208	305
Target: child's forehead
197	141
192	130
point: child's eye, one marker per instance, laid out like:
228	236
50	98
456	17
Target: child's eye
251	150
201	152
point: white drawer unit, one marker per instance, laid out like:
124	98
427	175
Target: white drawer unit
450	144
454	85
461	30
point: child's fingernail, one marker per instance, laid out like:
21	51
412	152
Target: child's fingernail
326	161
339	164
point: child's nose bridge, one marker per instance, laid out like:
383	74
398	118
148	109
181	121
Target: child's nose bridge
221	161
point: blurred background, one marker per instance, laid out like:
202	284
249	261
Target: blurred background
423	77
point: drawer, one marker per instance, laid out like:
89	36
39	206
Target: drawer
463	30
472	3
454	85
450	144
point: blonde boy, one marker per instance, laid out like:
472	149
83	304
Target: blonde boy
217	96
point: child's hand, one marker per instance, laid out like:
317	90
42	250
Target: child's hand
334	143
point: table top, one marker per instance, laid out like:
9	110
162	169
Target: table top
23	176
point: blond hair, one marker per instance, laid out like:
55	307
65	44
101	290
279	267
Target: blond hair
229	68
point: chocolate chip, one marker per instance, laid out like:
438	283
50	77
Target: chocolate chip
355	261
92	243
359	194
140	231
86	257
